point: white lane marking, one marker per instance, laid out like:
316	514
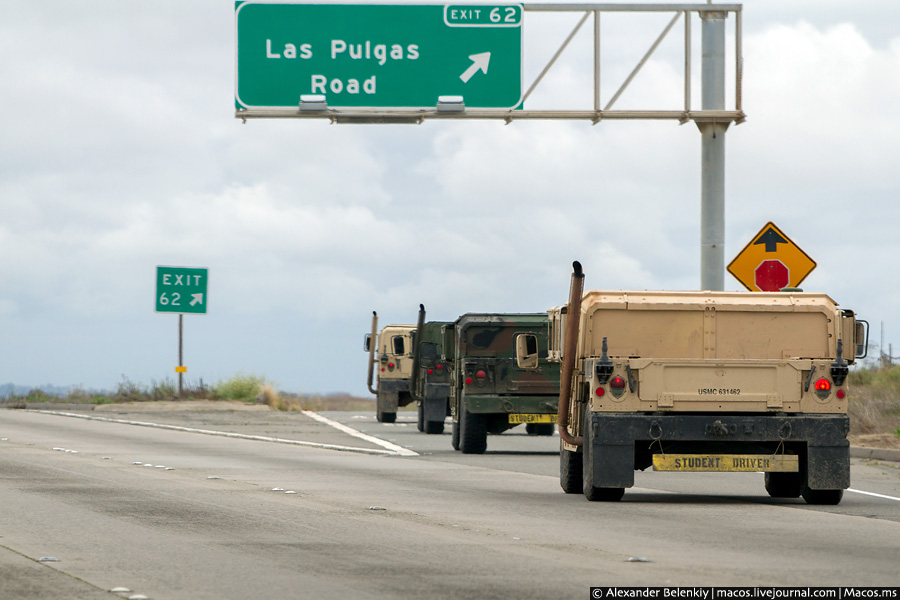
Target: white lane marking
394	448
873	494
257	438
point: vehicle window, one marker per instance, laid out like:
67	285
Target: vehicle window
526	351
399	344
428	351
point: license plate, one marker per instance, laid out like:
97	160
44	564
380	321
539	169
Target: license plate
784	463
531	418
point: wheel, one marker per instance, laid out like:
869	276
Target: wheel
783	485
454	435
591	492
539	428
831	497
420	417
434	427
386	417
570	470
472	431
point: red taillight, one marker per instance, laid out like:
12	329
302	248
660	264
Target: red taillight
468	380
600	391
480	374
439	367
823	385
382	369
390	365
430	371
841	394
617	383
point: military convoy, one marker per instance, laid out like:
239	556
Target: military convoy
706	381
677	381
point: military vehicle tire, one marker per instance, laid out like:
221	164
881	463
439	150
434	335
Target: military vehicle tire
591	492
472	432
783	485
434	427
539	428
454	436
822	496
386	417
570	471
420	417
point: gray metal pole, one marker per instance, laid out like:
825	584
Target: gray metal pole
712	185
180	356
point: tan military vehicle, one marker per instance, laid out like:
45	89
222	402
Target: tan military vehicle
705	381
392	356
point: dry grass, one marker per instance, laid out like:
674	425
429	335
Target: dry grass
290	402
875	401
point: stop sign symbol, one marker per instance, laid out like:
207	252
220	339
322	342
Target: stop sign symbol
771	276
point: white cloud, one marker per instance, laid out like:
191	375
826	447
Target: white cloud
120	152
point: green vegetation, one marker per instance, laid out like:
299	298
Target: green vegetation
239	388
244	388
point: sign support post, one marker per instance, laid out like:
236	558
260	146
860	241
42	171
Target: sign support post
181	290
712	186
180	355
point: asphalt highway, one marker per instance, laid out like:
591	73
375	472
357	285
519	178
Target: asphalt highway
260	504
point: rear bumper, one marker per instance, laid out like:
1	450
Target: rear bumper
622	442
541	404
389	391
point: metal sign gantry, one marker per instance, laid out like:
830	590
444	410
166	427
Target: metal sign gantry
712	117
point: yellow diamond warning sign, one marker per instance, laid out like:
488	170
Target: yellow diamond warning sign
770	262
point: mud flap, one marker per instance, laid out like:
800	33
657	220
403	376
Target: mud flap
387	401
436	402
828	467
611	465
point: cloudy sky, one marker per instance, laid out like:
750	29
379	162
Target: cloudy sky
119	151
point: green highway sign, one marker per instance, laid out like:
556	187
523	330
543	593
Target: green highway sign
181	290
378	55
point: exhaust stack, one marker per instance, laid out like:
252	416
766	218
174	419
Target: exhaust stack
373	341
414	379
568	367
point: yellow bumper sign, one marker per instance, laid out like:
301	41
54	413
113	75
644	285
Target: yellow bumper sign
785	463
531	418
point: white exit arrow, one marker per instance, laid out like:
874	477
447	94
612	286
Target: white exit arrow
479	63
197	299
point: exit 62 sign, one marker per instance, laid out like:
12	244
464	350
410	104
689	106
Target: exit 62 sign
181	289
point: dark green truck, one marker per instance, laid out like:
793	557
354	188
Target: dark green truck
430	383
501	376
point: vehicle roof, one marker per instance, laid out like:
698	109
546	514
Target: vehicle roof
501	319
698	300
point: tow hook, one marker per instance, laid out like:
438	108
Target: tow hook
719	429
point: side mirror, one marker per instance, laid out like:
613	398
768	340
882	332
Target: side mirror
526	351
862	338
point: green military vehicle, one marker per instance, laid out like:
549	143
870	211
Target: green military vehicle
706	381
501	377
392	352
430	383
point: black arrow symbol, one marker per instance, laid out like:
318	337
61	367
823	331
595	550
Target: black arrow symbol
771	239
